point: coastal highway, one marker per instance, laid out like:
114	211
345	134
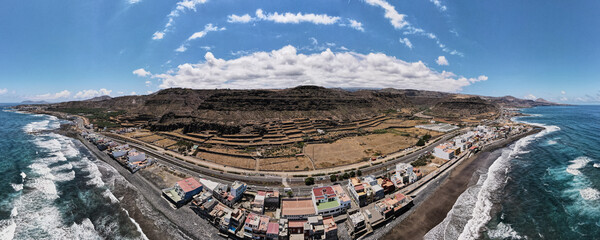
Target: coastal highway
259	181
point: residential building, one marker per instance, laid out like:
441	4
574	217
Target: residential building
404	175
183	191
297	208
331	230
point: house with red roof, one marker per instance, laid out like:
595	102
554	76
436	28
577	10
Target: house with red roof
182	192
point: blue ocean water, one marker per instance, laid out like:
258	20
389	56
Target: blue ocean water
544	186
51	187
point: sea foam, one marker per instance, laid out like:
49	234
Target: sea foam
577	164
495	180
590	194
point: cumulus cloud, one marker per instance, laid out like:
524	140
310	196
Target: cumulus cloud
285	68
180	7
246	18
52	96
3	91
140	72
442	61
439	5
530	97
396	19
87	94
406	42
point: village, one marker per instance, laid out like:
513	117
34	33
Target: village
347	208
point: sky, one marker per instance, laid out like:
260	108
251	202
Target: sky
74	50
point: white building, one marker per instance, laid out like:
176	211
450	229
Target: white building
404	175
238	189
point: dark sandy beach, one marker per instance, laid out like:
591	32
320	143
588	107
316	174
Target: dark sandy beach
436	206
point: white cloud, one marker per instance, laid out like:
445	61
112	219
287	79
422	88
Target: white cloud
442	61
140	72
314	40
563	92
3	91
134	1
87	94
530	97
482	78
439	5
133	93
52	96
181	48
207	28
206	48
406	42
239	19
180	7
564	99
396	19
285	67
356	25
148	83
296	18
158	35
410	30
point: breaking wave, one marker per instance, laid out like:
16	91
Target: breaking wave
496	179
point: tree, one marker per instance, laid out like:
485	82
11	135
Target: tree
345	176
421	142
309	181
426	137
358	172
333	177
290	193
352	174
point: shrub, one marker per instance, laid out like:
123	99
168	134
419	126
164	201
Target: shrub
333	177
421	142
359	173
345	176
309	181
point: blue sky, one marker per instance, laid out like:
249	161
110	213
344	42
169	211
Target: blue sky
65	50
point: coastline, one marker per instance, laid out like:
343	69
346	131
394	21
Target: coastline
436	201
143	201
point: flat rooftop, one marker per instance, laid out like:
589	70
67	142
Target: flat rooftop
297	207
328	205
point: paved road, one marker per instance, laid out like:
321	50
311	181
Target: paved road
265	181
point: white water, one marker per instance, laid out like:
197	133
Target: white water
34	214
473	208
577	164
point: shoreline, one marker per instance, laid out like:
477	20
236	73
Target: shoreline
432	207
152	222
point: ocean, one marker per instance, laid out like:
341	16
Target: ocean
51	185
544	186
